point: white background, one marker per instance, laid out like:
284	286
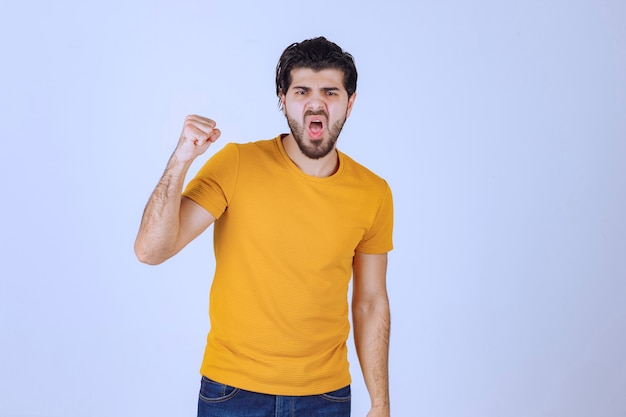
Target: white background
500	125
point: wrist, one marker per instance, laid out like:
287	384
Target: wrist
178	165
379	410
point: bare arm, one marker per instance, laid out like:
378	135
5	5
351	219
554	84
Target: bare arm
170	221
371	317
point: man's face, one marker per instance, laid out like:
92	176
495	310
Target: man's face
316	105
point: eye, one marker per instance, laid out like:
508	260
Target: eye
300	92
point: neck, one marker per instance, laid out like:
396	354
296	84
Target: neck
322	167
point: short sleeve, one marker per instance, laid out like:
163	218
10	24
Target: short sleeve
214	184
379	238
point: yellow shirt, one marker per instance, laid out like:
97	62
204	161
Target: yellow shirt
284	243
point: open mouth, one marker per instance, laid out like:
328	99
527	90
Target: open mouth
316	128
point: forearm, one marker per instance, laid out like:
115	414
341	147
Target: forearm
371	334
160	225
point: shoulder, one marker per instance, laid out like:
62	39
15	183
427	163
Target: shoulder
363	174
235	151
252	150
263	145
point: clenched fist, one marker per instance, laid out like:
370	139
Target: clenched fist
197	135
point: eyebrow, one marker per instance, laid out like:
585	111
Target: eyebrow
323	88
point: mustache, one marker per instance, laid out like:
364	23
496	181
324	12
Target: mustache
316	113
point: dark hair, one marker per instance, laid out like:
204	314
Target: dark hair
317	54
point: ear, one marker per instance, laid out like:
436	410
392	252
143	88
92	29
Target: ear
282	98
350	104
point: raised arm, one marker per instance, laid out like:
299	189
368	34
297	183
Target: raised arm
170	221
371	321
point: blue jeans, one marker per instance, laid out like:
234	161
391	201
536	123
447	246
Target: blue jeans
219	400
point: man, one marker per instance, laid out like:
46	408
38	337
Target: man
294	220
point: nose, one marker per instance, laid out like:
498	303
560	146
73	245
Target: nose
316	102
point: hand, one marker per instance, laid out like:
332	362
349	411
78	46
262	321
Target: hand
197	135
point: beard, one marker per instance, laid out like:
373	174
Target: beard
320	148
